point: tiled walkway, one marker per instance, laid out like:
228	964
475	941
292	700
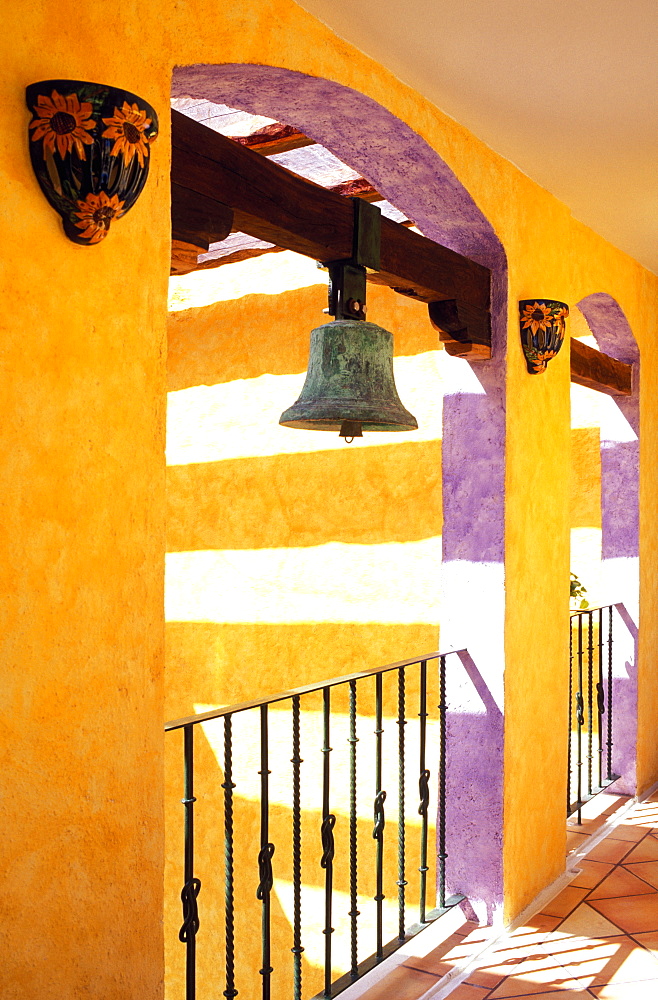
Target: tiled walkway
597	938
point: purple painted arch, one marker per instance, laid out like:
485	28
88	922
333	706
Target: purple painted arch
611	329
394	158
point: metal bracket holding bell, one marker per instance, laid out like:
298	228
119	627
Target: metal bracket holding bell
349	385
347	278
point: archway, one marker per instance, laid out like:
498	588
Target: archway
414	178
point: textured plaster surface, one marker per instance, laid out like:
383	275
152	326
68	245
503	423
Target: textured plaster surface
474	790
82	498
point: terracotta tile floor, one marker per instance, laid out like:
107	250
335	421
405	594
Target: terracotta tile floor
597	938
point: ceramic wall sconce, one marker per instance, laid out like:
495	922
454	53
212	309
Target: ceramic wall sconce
543	324
89	146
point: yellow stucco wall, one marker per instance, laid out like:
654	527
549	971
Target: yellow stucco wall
585	499
82	488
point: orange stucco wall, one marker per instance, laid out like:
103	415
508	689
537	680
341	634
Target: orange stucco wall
82	407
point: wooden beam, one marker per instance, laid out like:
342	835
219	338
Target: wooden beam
460	330
184	257
197	220
275	138
279	207
599	371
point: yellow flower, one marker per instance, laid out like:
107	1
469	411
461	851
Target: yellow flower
560	318
540	359
537	317
127	127
96	213
63	123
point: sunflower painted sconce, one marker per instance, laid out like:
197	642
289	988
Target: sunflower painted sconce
89	146
543	324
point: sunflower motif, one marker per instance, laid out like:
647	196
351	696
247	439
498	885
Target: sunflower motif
537	317
96	213
560	319
539	359
63	123
127	127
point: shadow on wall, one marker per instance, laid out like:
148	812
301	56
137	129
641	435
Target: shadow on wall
205	345
376	495
475	740
474	736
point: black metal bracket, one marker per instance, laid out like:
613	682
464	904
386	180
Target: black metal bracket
347	278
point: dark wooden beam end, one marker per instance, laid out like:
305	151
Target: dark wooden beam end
599	371
464	330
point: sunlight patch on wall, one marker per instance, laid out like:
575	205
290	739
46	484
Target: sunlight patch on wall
240	419
394	583
621	581
586	563
246	764
596	409
270	274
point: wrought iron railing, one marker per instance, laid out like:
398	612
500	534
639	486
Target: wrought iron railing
326	840
591	706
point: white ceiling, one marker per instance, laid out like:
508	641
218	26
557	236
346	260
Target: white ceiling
566	89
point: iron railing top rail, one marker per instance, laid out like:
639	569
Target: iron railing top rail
220	713
597	607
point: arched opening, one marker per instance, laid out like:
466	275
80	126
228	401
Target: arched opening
418	182
609	551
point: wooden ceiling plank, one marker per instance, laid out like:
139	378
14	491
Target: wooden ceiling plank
596	370
273	139
234	258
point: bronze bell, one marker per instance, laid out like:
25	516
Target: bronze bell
349	385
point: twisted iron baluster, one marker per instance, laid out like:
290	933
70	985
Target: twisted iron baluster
423	791
401	882
229	907
442	855
600	698
610	694
354	912
380	822
327	835
265	856
296	761
580	718
192	885
590	701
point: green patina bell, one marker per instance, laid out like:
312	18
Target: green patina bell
349	385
